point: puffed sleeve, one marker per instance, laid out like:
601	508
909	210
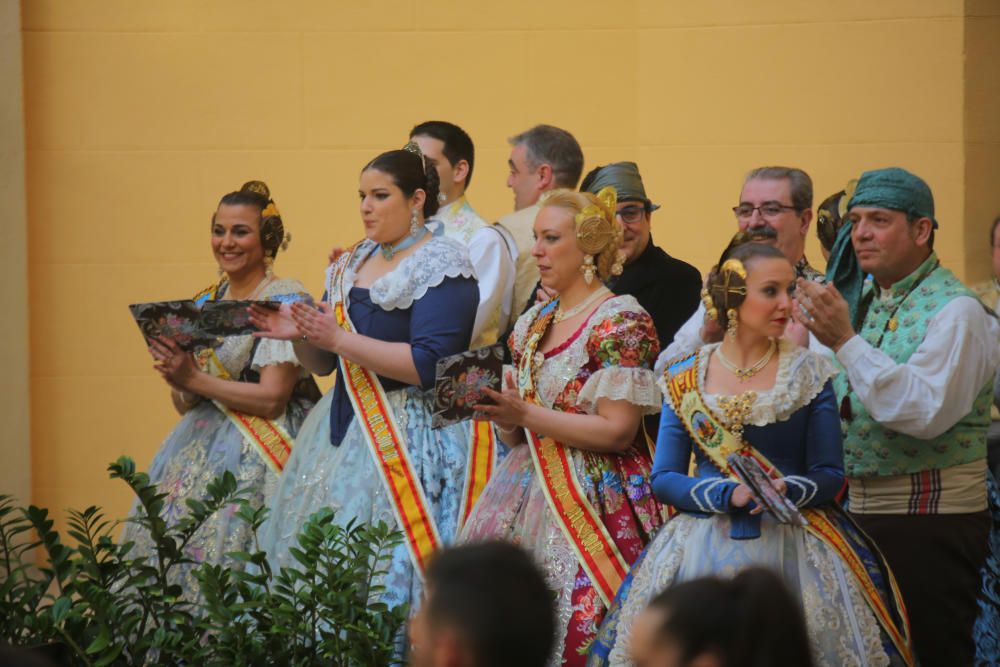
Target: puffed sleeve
625	346
824	454
670	479
441	324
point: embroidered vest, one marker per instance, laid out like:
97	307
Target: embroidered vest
870	449
460	220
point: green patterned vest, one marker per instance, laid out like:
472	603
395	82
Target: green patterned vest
871	450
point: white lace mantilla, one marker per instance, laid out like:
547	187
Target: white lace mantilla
800	378
635	385
437	259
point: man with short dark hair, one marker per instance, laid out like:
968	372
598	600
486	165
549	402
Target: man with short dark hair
485	605
918	356
453	153
541	159
776	204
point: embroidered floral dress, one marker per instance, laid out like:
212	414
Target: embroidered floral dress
796	426
610	356
428	301
206	443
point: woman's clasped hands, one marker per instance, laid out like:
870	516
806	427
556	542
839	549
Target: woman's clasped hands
742	495
175	365
299	321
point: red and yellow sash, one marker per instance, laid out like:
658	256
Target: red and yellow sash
595	550
717	442
482	461
268	437
386	440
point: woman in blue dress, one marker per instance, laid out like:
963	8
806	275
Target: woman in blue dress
771	402
395	304
241	403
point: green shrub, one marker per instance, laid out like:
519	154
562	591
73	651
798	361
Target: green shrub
111	607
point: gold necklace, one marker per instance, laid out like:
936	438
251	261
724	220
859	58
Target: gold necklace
577	309
744	374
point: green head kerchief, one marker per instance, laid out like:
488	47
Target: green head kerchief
623	177
896	189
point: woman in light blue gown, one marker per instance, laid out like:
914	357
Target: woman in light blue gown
758	397
408	297
232	399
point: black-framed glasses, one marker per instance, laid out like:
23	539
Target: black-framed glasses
769	209
630	215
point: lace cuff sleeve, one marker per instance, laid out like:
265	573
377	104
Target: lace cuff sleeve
270	352
635	385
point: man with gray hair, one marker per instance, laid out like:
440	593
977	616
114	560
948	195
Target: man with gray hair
541	159
776	205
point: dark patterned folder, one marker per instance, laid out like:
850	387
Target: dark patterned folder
194	327
750	472
459	382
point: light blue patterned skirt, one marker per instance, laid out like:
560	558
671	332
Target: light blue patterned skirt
203	446
345	478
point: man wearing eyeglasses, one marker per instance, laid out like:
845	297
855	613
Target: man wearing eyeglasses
775	203
665	286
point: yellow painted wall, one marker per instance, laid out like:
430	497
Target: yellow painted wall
140	114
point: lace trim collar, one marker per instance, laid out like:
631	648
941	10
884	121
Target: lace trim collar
427	267
801	377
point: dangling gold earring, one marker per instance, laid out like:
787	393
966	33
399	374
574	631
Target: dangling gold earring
588	268
268	266
732	323
414	223
222	272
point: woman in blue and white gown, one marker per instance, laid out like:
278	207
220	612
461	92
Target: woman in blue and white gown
264	381
781	396
411	298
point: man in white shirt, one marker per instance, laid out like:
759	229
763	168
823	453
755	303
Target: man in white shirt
775	202
915	393
541	159
453	153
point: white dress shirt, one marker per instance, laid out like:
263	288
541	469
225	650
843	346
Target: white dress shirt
494	267
938	384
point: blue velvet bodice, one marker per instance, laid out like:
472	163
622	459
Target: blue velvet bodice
438	324
806	448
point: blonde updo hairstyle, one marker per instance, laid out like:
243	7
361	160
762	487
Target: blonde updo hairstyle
598	231
726	287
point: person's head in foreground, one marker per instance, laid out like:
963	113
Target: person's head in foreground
485	605
748	621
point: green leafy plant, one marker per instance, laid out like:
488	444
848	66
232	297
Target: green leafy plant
109	606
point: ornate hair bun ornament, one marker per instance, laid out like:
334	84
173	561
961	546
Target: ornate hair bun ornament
257	187
272	229
848	193
594	232
412	147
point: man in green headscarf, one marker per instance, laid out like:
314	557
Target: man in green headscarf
917	363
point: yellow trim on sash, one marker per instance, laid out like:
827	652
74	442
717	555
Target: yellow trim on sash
482	461
268	437
387	443
595	550
717	443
